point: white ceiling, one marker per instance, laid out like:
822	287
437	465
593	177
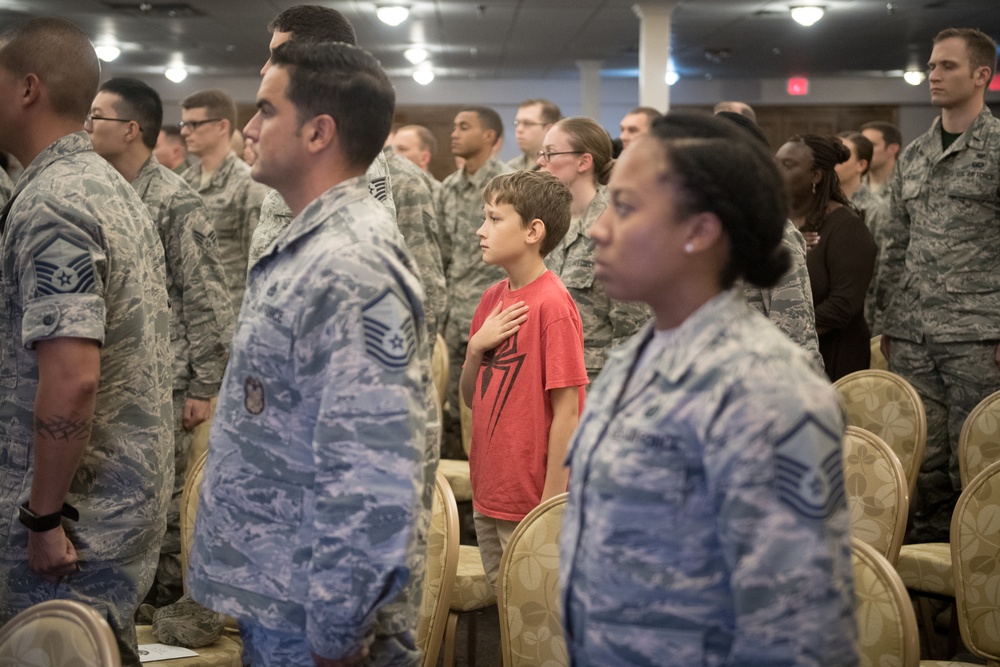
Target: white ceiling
538	39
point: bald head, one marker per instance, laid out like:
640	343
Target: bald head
742	108
61	56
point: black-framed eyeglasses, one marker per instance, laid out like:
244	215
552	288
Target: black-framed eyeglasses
195	124
545	156
527	123
89	120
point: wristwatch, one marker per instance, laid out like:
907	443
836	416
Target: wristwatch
40	524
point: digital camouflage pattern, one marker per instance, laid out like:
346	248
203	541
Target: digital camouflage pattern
606	323
233	201
313	509
789	304
940	278
79	257
6	187
275	215
876	213
707	522
522	162
418	224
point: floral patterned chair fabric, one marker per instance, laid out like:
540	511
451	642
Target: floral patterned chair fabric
878	361
457	470
439	368
58	633
530	618
885	404
876	492
470	593
887	627
439	574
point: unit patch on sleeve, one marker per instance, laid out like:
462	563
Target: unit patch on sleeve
390	338
63	266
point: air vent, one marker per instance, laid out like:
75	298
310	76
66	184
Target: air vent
156	10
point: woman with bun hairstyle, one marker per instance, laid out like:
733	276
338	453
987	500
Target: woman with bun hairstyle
706	522
841	256
577	151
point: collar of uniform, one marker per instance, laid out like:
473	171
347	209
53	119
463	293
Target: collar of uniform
345	191
145	175
225	167
70	144
975	136
487	171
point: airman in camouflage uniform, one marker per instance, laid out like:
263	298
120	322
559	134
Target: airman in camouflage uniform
942	269
309	526
876	212
606	323
6	187
727	440
789	304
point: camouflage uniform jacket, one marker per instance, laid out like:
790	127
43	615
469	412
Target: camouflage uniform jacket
522	162
6	187
940	276
606	323
275	215
460	205
876	212
707	522
233	201
418	224
201	317
789	304
313	488
79	257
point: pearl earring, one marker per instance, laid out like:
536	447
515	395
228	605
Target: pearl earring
689	248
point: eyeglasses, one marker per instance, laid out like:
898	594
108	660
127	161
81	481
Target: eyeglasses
195	124
527	123
545	156
89	120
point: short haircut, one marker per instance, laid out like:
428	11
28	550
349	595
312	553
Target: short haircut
863	147
550	112
425	136
719	169
981	47
890	133
741	108
217	104
61	56
488	118
172	132
747	124
346	83
534	194
587	136
313	23
649	112
140	103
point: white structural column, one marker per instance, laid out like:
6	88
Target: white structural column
654	52
590	87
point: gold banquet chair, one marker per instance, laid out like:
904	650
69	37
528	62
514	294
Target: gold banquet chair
887	628
975	553
57	633
439	574
876	492
885	404
531	631
926	568
227	650
439	368
456	471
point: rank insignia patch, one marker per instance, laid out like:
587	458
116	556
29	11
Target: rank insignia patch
377	187
811	487
63	266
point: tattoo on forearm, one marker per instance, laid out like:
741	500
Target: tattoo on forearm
63	428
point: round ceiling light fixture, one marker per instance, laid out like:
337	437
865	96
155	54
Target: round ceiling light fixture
914	77
392	14
107	52
176	73
423	76
416	55
807	15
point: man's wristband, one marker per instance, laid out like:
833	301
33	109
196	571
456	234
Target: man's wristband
40	524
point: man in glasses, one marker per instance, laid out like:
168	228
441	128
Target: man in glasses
533	120
233	199
84	349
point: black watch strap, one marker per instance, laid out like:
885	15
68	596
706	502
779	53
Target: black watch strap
40	524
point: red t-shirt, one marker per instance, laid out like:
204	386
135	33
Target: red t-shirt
511	406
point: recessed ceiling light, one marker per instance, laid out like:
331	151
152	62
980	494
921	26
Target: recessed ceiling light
107	52
392	15
176	74
423	76
672	77
914	77
416	55
807	15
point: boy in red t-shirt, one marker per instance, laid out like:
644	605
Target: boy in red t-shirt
524	373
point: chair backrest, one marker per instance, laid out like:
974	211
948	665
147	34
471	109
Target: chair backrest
528	590
439	367
887	626
189	508
979	443
878	360
876	492
975	559
465	419
57	633
885	404
439	574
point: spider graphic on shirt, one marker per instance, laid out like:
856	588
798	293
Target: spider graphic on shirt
504	362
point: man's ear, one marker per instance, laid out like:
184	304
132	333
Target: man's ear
320	131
